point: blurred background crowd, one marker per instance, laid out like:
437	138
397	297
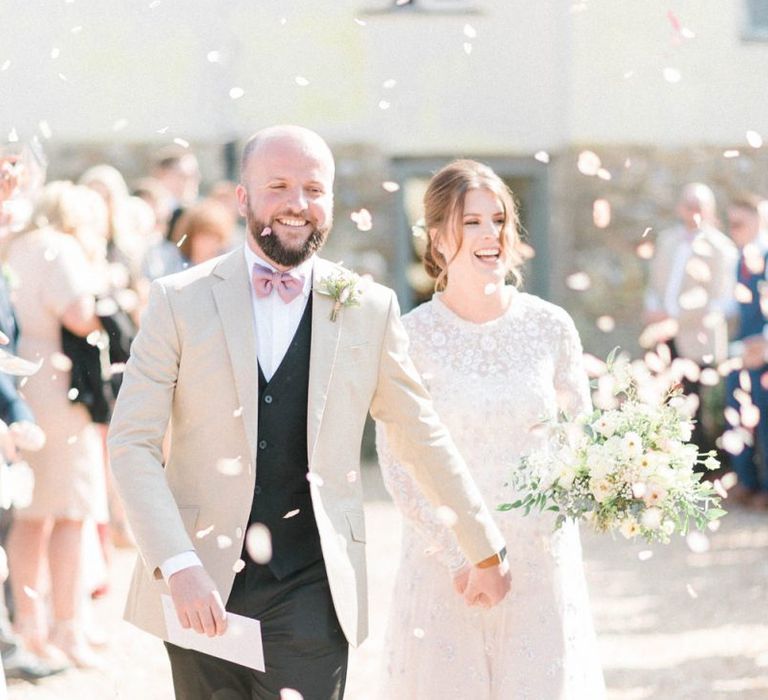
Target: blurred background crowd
630	136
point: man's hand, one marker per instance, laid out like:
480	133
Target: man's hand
197	602
461	579
754	352
487	586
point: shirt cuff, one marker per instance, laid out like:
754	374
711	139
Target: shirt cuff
176	563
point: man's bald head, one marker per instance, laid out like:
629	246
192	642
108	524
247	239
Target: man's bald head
301	139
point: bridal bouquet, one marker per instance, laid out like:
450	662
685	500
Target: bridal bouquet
629	467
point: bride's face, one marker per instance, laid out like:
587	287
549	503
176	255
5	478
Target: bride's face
480	256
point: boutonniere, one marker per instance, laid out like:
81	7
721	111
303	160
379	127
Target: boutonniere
343	287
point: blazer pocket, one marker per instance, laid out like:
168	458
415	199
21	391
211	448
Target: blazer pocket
356	522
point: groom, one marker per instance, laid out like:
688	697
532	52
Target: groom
267	397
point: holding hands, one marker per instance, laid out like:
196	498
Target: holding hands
484	584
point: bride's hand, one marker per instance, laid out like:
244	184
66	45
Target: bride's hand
461	579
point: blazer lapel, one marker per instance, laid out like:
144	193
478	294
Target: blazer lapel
324	347
233	301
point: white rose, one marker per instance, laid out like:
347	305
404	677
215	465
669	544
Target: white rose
600	489
712	462
566	477
629	528
605	425
651	518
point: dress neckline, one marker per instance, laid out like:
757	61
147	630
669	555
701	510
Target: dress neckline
442	309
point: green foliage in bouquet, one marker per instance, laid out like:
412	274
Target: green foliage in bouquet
629	468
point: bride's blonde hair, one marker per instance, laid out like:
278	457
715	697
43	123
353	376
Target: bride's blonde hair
444	211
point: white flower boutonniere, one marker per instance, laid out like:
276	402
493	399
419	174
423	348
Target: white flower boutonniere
343	287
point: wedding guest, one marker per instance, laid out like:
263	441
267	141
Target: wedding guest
224	191
177	170
477	343
51	263
751	464
203	232
690	293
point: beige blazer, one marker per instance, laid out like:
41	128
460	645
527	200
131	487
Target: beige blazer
194	362
708	287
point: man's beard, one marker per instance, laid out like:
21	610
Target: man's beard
273	247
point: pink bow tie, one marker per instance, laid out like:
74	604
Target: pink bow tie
288	284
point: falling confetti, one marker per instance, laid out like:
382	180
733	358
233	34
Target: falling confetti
541	156
645	555
237	412
63	77
672	75
578	281
223	542
213	56
446	516
390	186
750	416
717	484
200	534
742	293
709	377
55	53
467	48
731	153
362	219
606	324
77	29
601	213
18	367
238	566
589	163
490	288
314	478
361	22
236	93
418	633
266	231
6	64
181	142
258	543
301	81
4	339
754	139
604	174
352	476
290	694
697	542
647	231
389	84
154	4
73	393
31	593
181	240
164	130
383	104
45	129
291	513
694	298
691	591
230	467
645	250
470	32
60	362
72	439
119	125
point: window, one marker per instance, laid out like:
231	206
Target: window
756	19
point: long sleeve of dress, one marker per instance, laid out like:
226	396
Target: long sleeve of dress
413	505
571	381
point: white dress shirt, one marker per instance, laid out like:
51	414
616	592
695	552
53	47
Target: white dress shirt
275	322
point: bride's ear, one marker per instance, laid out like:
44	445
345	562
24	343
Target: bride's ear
432	233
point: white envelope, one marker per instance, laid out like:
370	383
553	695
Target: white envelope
241	643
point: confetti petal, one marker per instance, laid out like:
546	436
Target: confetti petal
645	555
606	324
691	591
754	139
446	516
383	104
18	367
578	281
291	513
223	542
362	219
200	534
418	633
290	694
389	84
31	593
541	156
390	186
181	142
601	213
213	56
672	75
236	93
697	542
258	543
266	231
230	467
731	153
301	81
238	566
469	31
588	163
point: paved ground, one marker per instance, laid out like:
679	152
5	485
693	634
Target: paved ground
673	625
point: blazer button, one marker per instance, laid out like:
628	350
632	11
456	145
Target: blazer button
257	489
262	444
267	399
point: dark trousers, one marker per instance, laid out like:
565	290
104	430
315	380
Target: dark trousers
751	464
304	647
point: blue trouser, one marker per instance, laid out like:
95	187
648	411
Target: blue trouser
751	465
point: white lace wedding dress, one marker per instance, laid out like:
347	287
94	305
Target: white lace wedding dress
491	383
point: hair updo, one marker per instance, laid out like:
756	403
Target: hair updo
444	211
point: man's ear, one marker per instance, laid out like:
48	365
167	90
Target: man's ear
242	200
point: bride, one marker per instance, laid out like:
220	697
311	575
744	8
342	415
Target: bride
497	362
